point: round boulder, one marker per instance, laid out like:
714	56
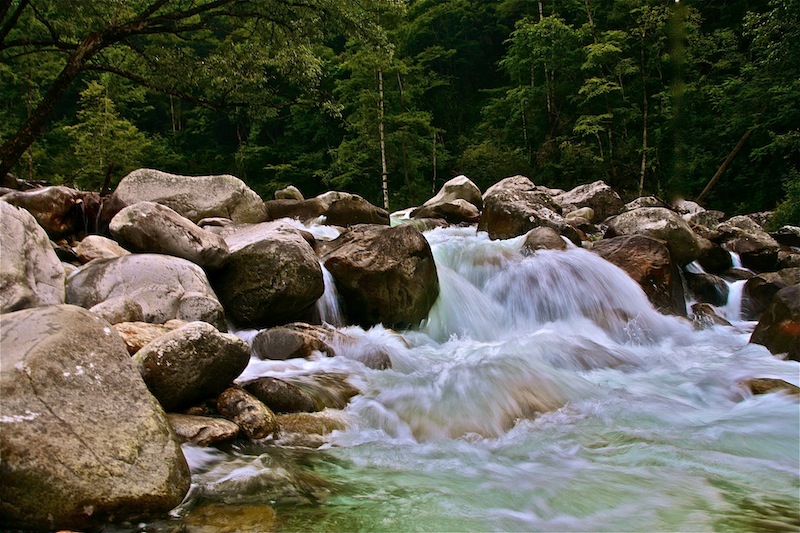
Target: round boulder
98	247
152	227
383	274
194	197
82	439
603	200
542	239
272	276
254	418
165	287
353	209
659	223
30	272
192	362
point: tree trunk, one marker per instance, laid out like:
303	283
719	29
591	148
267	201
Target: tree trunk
725	164
384	172
433	182
644	147
15	147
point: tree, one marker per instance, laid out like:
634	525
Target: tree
220	53
104	143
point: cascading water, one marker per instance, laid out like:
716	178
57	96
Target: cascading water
543	393
327	309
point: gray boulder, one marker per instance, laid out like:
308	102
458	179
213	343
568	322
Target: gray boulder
165	287
458	188
30	272
659	223
459	200
272	276
603	200
514	206
192	362
152	227
194	197
644	201
82	439
383	274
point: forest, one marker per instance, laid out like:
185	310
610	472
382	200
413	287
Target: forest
679	99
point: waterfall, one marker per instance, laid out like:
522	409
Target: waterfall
327	309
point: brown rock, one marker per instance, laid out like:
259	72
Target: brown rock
770	385
542	238
254	418
202	430
280	396
136	334
779	327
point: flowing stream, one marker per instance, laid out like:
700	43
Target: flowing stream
544	393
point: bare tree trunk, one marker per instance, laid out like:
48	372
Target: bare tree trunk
384	172
433	182
725	164
644	147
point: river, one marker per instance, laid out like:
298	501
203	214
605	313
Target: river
544	393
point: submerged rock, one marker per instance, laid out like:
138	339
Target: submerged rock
770	385
31	274
83	441
704	316
280	396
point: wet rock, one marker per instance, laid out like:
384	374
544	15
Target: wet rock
272	276
704	316
152	227
227	517
165	287
31	274
82	439
383	274
136	334
289	193
755	247
190	363
514	206
779	326
352	210
308	429
98	247
328	390
649	263
542	239
759	290
253	417
280	396
770	385
713	257
194	197
658	223
202	430
292	341
61	211
708	288
603	200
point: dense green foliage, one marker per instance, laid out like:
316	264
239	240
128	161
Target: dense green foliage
650	96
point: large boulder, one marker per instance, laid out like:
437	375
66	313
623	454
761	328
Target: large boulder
61	211
514	206
289	193
272	276
649	263
659	223
304	210
352	210
779	327
83	442
152	227
190	363
759	290
194	197
603	200
755	247
459	200
30	272
165	287
383	274
707	288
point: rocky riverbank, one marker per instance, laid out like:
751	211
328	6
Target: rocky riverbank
116	312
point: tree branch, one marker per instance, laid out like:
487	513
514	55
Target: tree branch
6	29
